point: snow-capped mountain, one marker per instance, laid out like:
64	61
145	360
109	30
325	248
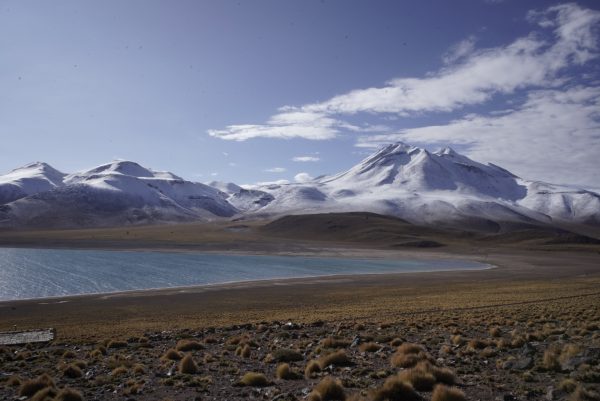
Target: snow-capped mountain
29	180
441	188
120	192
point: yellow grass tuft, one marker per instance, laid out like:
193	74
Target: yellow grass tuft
330	389
284	372
254	379
67	394
331	342
369	347
117	344
188	365
395	389
45	394
444	393
172	355
312	368
30	387
338	358
72	371
186	345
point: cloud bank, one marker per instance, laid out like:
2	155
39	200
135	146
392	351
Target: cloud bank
553	110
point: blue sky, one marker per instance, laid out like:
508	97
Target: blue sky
265	90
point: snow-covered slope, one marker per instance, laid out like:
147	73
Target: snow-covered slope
441	188
121	192
244	200
29	180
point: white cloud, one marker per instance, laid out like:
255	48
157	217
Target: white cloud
265	183
554	136
286	125
472	77
303	177
306	159
460	50
276	170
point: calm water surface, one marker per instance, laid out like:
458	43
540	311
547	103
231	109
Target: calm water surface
39	273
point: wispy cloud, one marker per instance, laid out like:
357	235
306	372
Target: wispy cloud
470	77
303	177
286	125
276	170
460	50
306	159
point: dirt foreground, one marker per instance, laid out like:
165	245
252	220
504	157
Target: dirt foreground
527	329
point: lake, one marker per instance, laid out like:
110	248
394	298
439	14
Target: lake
40	273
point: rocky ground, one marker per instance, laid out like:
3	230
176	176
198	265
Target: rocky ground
532	351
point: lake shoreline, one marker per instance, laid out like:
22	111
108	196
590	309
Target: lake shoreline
304	298
328	263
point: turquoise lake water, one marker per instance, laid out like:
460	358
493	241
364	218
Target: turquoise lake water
40	273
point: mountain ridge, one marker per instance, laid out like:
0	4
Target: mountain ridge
442	188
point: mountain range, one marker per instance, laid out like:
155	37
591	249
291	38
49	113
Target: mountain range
442	189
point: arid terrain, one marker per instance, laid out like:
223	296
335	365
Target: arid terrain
527	329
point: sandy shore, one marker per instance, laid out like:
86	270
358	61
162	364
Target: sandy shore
520	276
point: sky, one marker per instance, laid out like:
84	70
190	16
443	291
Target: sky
263	91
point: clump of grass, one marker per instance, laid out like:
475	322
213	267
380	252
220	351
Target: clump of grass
119	371
569	351
72	371
329	389
312	368
550	360
188	365
410	348
581	394
68	354
286	355
67	394
117	344
337	358
404	360
476	344
420	379
13	381
457	339
369	347
172	355
45	394
444	393
331	342
517	341
243	351
495	332
254	379
30	387
408	355
139	369
186	345
211	340
567	385
395	389
284	372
